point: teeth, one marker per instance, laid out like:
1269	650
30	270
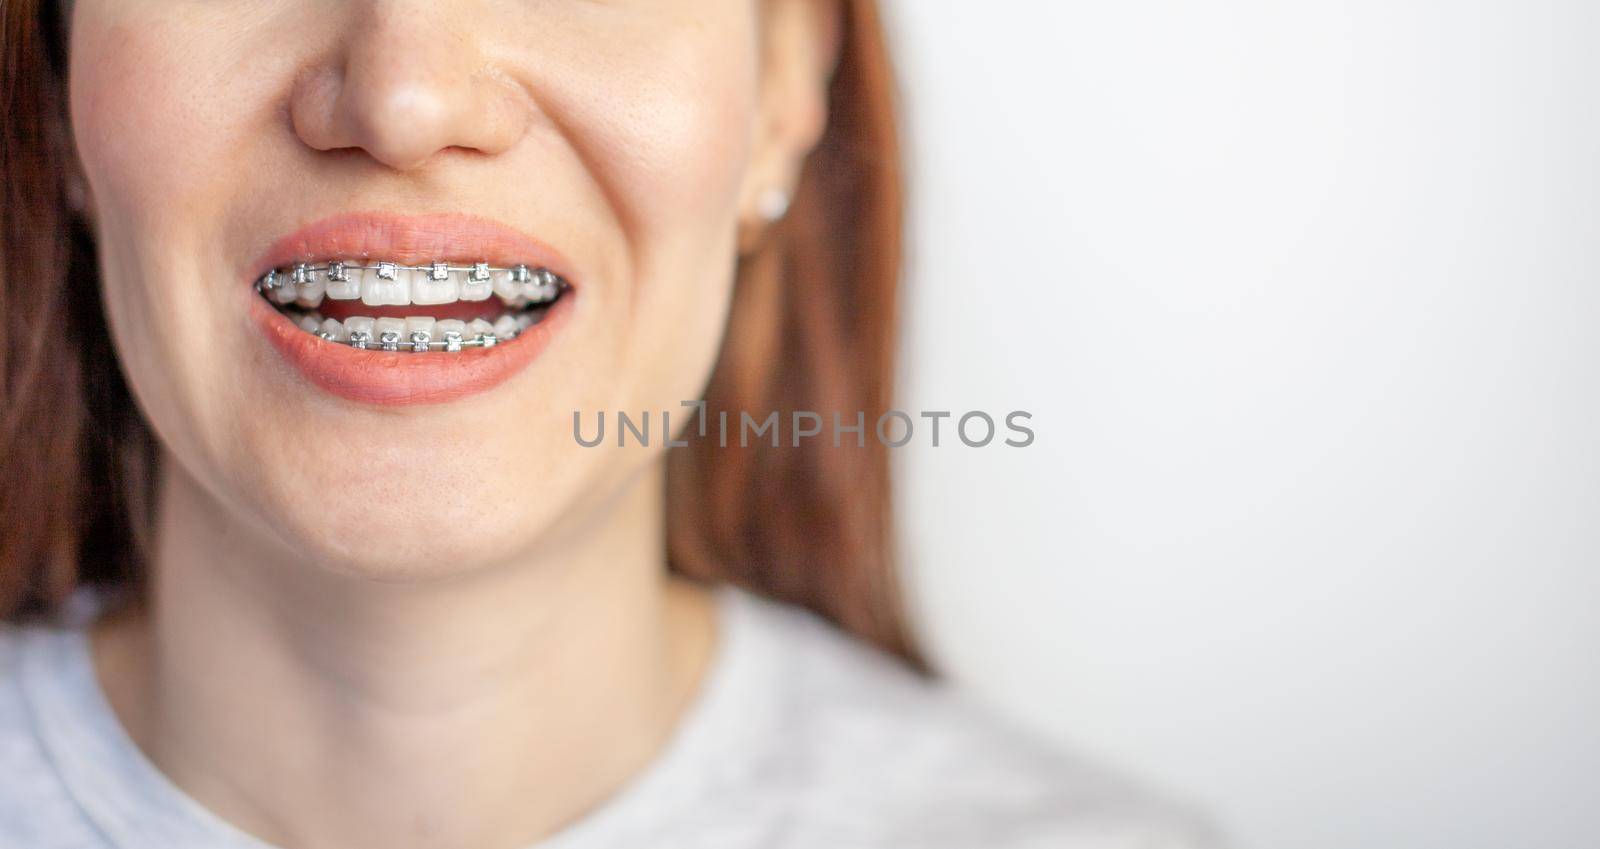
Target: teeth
419	332
435	286
285	291
310	286
525	290
475	284
342	284
392	284
386	285
358	330
482	330
503	285
390	332
505	327
530	285
549	285
452	332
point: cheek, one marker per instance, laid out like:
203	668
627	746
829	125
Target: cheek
149	116
667	134
682	152
671	141
156	141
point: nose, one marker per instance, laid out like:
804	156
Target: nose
403	84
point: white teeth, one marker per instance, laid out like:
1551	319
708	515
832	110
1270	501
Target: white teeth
505	327
309	286
544	286
390	332
451	332
392	284
526	291
475	284
386	285
419	332
286	292
358	330
341	284
504	286
428	289
345	290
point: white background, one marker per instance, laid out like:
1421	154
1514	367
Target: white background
1302	296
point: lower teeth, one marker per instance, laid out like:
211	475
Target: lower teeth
418	334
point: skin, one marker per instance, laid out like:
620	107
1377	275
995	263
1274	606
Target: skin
491	648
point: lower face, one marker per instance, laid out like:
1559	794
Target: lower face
378	367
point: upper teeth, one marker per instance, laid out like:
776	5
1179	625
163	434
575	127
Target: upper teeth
391	284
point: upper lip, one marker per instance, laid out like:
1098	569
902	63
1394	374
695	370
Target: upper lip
411	240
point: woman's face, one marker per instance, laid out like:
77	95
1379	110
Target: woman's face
623	145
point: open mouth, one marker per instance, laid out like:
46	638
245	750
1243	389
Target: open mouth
440	307
394	309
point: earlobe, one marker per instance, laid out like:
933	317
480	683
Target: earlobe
80	200
77	193
771	205
830	35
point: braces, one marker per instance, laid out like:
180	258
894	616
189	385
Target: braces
418	344
339	272
419	341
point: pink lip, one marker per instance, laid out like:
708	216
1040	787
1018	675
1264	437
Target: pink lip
396	379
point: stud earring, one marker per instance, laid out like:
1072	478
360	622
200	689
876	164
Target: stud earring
773	204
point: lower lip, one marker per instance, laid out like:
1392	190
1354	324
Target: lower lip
396	379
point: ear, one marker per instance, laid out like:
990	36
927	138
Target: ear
800	49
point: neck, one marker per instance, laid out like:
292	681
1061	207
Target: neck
314	709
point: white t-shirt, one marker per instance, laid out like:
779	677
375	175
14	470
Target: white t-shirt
800	737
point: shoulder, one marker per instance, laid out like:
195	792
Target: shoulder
884	757
35	809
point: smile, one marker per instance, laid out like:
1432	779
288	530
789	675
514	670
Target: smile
389	309
441	307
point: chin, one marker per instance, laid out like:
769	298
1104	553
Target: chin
408	537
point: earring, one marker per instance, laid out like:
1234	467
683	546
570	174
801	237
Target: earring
77	195
773	204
